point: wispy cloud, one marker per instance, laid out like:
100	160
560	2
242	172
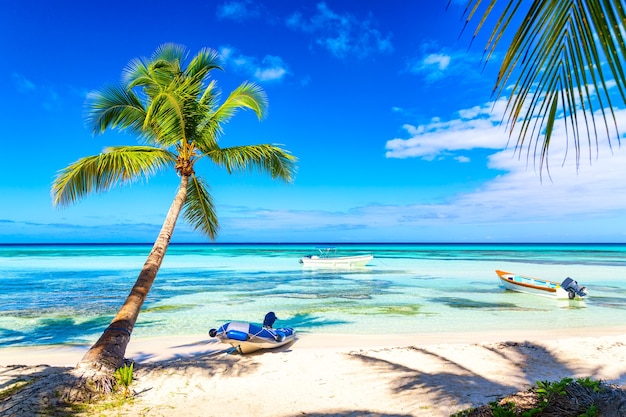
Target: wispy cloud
514	206
434	63
49	98
342	34
477	127
22	84
269	68
238	10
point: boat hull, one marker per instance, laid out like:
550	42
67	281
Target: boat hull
336	261
248	337
535	286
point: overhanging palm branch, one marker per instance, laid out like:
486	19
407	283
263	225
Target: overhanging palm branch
565	61
101	172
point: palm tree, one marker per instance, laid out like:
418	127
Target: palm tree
566	56
176	113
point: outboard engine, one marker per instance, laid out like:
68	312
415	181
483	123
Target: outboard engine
572	288
269	320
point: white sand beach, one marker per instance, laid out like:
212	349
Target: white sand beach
336	375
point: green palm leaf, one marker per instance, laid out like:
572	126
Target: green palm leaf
565	58
247	96
115	107
101	172
204	61
271	159
199	208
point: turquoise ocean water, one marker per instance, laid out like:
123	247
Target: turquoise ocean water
67	294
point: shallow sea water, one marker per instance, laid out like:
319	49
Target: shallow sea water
68	294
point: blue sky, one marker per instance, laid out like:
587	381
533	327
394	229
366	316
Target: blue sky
386	105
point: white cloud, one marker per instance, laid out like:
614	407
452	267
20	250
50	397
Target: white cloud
270	68
585	189
237	10
477	127
583	201
439	61
436	64
342	34
588	205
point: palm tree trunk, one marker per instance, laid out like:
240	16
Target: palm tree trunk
96	369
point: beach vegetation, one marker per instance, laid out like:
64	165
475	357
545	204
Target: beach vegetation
583	397
590	383
563	70
592	411
503	410
170	103
124	378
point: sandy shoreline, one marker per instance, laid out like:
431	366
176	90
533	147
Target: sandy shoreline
343	375
155	349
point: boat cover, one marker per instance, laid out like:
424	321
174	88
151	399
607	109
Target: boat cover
243	331
572	287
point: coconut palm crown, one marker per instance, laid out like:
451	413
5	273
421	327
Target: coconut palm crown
177	114
565	62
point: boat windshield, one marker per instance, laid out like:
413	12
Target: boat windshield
327	252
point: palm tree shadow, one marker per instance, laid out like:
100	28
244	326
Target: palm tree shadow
462	387
183	351
34	389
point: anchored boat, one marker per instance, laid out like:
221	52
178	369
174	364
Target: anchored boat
327	258
568	289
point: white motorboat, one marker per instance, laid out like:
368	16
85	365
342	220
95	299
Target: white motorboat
327	258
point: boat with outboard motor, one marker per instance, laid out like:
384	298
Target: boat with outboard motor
327	258
568	289
249	337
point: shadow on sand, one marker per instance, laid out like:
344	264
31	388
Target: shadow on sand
29	391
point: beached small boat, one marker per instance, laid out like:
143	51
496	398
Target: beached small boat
249	337
327	258
568	289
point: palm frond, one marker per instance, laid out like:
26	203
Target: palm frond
170	52
115	107
271	159
199	208
202	63
210	95
166	117
247	95
122	164
565	57
136	73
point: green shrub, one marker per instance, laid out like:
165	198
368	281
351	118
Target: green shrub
124	377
